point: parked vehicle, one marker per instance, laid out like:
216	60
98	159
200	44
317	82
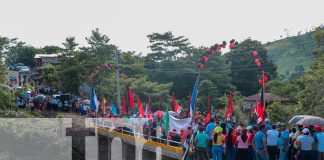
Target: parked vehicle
24	69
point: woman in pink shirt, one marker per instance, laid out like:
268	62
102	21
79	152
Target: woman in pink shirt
243	146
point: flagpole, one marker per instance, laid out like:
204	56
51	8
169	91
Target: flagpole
118	83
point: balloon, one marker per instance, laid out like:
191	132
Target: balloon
254	53
206	58
257	60
265	78
259	64
218	48
201	66
260	81
232	45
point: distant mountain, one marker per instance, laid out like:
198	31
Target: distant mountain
293	51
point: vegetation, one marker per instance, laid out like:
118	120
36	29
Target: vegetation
173	65
292	52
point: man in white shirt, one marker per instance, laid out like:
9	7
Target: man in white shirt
272	142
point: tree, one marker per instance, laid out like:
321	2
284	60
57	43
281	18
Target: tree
166	46
70	44
22	54
244	71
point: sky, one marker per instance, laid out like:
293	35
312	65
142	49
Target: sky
128	22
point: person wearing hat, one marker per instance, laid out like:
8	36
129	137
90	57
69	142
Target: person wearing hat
252	132
283	141
218	140
306	143
319	139
267	124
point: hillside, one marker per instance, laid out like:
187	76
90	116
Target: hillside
292	51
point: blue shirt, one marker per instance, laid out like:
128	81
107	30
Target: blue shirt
268	127
284	135
320	141
209	129
272	137
201	139
258	140
306	142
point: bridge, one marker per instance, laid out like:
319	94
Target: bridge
127	145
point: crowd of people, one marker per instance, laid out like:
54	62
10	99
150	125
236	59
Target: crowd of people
262	142
219	139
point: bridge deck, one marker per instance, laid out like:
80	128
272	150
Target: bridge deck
167	150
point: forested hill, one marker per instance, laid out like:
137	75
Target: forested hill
292	51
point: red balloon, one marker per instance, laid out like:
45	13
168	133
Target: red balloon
260	81
254	53
265	78
206	58
218	48
259	64
257	60
232	45
201	66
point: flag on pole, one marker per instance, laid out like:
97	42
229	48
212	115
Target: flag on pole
176	106
194	98
207	119
130	97
260	108
123	103
230	106
166	122
103	105
94	103
140	108
114	110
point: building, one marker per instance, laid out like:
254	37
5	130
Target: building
250	102
43	60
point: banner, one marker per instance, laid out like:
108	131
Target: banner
178	124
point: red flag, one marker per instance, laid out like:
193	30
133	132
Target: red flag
174	102
138	102
207	119
176	106
124	105
130	98
141	111
260	109
230	105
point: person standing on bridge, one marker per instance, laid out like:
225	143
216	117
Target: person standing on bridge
201	141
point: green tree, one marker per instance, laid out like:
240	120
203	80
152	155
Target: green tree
69	44
244	71
166	46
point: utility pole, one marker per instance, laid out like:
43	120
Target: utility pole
118	83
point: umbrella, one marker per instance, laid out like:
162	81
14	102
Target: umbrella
311	120
40	97
159	113
295	119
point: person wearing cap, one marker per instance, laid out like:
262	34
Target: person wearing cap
306	143
283	142
218	140
272	141
260	144
319	139
250	139
201	141
267	124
